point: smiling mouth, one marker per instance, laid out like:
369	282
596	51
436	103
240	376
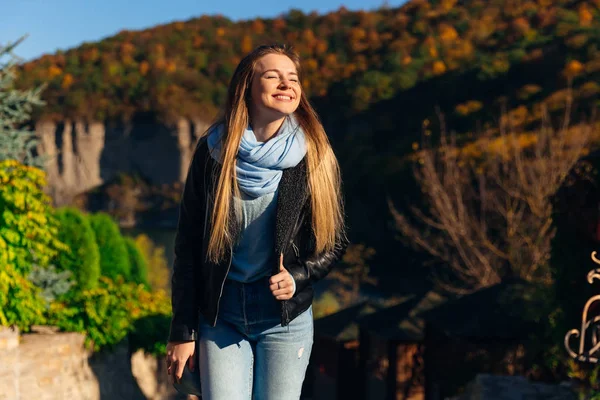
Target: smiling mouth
283	97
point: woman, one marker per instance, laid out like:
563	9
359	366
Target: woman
261	219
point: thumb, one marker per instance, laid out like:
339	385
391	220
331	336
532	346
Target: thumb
192	360
281	268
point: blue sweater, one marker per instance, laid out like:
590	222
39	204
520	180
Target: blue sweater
253	255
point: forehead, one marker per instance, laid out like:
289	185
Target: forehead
275	61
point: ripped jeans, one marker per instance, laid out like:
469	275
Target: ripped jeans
248	354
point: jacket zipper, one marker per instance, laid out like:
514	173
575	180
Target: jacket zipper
284	308
284	303
228	266
223	284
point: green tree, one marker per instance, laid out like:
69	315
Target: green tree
139	266
114	258
83	259
16	142
28	227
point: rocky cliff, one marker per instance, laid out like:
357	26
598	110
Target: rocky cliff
83	155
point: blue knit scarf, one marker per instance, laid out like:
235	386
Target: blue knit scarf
260	165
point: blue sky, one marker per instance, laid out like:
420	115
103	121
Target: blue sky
62	24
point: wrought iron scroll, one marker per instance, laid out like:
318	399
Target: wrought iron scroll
588	327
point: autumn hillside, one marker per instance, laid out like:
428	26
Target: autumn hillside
181	69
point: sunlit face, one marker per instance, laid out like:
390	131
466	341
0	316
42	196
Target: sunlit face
275	89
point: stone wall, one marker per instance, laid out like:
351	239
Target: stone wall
56	366
82	155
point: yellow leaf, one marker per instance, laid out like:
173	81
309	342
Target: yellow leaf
585	16
439	67
67	81
573	68
54	71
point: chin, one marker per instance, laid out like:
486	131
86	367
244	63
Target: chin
283	111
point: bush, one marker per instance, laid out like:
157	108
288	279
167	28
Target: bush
20	303
108	312
150	334
326	304
84	258
51	282
114	258
138	264
158	267
28	228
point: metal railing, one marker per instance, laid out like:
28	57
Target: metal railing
588	327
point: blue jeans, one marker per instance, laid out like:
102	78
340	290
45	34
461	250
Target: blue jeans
248	354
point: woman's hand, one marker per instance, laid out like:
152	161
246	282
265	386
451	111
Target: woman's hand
282	284
178	353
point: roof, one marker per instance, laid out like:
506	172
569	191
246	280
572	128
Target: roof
341	326
402	321
495	312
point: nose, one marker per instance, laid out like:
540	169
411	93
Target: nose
284	83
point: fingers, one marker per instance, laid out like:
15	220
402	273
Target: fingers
170	362
178	355
283	294
281	285
179	371
280	281
172	370
282	276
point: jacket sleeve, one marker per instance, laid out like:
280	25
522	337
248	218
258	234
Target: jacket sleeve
316	266
188	248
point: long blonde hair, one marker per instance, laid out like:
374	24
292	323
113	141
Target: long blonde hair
324	180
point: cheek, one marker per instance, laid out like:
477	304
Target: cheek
264	91
256	91
258	95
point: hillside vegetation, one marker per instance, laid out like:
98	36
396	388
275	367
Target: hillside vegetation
357	58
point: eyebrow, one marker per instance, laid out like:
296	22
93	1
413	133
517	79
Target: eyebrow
276	70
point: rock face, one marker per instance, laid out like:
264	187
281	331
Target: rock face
45	366
490	387
82	155
57	366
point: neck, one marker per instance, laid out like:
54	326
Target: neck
265	129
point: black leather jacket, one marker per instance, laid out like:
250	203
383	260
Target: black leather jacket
197	284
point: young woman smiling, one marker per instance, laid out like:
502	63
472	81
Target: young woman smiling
261	219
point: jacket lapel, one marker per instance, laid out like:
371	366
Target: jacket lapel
293	192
